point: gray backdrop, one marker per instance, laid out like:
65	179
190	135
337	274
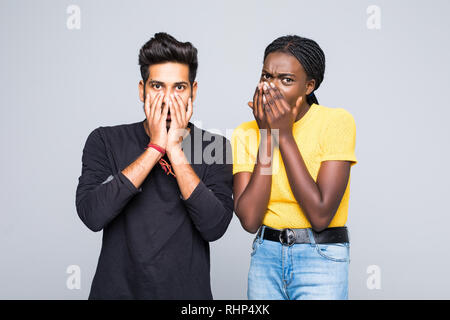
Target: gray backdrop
58	83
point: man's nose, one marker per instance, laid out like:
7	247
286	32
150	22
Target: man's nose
167	94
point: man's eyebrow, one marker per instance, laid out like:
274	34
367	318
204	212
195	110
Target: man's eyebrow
181	82
280	74
176	83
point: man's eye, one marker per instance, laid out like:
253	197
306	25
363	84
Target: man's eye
180	87
288	80
266	76
156	86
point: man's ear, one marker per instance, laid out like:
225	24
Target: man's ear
194	91
141	90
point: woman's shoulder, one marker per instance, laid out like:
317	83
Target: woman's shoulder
247	125
245	128
334	113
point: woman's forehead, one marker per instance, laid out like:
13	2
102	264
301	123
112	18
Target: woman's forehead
281	62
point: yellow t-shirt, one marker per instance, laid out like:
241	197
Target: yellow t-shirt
323	133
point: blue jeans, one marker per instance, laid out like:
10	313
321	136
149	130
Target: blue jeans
301	271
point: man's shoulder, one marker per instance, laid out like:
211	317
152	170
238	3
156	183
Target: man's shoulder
103	134
215	146
210	135
118	127
105	131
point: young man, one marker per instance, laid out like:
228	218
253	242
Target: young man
158	211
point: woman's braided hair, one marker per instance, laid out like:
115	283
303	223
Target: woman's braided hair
307	52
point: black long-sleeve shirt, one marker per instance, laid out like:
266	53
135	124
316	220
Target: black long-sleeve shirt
155	243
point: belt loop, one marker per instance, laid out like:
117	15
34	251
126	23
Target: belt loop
311	237
261	235
348	234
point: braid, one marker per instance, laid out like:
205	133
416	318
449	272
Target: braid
308	53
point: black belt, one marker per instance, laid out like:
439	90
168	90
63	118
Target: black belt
289	236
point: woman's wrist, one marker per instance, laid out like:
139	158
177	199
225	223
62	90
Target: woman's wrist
285	136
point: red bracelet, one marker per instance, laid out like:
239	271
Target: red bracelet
155	146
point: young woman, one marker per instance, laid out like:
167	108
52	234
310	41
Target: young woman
291	169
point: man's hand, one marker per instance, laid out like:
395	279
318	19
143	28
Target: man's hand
180	114
156	119
138	170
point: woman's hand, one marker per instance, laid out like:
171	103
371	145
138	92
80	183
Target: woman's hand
278	112
257	107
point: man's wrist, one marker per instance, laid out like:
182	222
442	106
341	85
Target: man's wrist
158	143
153	152
174	151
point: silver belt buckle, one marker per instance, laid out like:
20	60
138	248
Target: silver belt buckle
287	237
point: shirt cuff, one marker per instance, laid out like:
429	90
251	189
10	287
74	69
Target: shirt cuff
199	189
243	168
343	157
130	186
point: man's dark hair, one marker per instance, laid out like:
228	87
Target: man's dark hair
165	48
307	52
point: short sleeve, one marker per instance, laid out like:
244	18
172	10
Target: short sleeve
339	137
243	141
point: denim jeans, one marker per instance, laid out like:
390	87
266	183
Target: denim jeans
300	271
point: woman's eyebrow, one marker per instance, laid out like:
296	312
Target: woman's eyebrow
280	74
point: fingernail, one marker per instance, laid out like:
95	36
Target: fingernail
272	85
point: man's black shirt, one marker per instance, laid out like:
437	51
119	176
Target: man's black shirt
155	243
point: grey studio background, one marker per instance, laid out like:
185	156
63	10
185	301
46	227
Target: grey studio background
58	84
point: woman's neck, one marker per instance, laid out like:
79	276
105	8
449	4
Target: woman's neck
303	110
